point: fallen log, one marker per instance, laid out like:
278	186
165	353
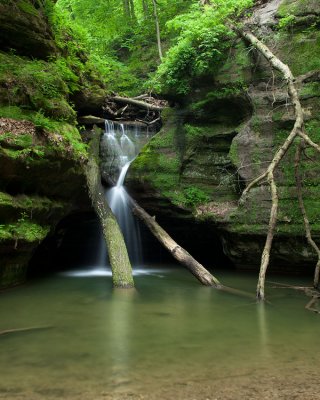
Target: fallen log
91	120
181	255
177	251
28	329
137	103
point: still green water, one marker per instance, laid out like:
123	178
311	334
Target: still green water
171	338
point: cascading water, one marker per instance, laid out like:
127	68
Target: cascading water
119	148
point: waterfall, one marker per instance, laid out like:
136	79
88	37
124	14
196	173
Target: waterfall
120	146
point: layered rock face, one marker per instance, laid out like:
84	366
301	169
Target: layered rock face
193	172
41	151
24	28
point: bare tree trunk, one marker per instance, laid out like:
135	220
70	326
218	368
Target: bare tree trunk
118	255
132	12
145	8
177	251
126	8
204	3
155	13
298	129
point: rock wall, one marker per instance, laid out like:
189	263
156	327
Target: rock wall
41	150
225	133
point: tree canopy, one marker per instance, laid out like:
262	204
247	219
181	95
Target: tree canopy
122	36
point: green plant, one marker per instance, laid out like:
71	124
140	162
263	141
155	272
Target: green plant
202	37
286	22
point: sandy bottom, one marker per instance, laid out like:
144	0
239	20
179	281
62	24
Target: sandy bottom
246	385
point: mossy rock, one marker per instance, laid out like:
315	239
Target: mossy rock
25	28
299	8
38	208
301	50
37	85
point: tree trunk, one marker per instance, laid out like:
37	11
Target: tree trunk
298	130
204	3
132	12
126	8
177	252
155	13
145	8
118	255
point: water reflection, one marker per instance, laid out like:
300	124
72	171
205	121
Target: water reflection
172	338
120	324
263	329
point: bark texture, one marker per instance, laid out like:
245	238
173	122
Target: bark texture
155	13
298	130
118	255
177	251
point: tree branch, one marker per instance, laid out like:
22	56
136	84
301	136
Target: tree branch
269	173
137	103
306	222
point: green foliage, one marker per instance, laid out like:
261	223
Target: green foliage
202	36
195	196
287	22
38	85
123	45
20	141
27	7
24	230
64	137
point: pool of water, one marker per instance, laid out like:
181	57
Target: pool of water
170	338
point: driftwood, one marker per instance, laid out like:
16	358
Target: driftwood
91	120
28	329
176	251
298	130
181	255
118	255
137	103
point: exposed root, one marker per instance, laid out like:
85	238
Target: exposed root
310	305
306	222
297	131
308	291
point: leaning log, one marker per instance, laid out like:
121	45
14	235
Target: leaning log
182	256
137	103
118	255
177	251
